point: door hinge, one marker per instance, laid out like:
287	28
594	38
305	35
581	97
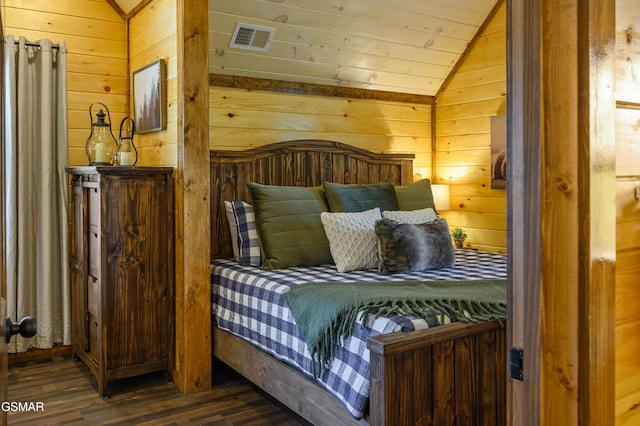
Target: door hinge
516	361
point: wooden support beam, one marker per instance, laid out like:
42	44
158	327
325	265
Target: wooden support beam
193	308
253	83
597	204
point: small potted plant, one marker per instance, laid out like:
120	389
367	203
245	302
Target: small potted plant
459	236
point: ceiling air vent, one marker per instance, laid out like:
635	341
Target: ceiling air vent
252	37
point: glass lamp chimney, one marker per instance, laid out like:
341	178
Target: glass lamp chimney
101	144
127	154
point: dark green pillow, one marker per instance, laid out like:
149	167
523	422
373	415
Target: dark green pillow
360	197
416	196
289	225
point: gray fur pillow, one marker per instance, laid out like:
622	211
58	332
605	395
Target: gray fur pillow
407	247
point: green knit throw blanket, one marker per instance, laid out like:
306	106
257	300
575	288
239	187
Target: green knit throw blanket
326	311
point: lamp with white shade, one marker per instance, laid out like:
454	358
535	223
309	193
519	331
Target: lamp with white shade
441	196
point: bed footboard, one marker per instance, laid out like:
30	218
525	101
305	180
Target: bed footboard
295	390
453	374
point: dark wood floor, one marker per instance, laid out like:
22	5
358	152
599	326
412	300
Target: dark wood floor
69	394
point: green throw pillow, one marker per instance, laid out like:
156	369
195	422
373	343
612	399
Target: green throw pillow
360	197
416	196
289	225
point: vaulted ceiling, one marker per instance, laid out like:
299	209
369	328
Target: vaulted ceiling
406	46
127	5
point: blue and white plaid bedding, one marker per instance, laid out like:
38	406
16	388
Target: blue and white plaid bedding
248	302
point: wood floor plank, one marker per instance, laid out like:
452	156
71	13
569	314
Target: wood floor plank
69	394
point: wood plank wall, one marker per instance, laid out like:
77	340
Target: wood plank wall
464	107
241	119
153	36
628	212
96	41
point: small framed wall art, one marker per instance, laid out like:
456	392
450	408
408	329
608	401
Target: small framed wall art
149	98
499	152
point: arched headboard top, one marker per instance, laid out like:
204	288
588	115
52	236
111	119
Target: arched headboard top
307	162
307	146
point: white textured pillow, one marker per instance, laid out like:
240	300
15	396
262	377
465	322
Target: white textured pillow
352	239
411	216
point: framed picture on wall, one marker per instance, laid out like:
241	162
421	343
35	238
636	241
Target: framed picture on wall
149	98
499	152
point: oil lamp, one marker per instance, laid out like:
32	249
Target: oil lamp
127	154
101	145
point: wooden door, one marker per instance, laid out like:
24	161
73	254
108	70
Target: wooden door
3	355
561	198
3	287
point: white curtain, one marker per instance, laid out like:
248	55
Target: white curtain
36	190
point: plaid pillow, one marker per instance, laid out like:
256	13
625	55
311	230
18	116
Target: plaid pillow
248	244
233	228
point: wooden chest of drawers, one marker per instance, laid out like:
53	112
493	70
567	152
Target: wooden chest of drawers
122	270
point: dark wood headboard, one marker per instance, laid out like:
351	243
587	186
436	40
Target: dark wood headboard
293	163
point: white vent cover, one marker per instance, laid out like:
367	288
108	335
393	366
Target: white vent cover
252	37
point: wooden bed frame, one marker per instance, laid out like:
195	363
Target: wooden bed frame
453	374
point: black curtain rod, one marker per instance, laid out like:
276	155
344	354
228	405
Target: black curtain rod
31	43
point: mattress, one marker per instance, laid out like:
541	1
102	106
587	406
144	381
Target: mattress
249	302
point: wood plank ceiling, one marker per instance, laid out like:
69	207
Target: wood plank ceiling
405	46
127	5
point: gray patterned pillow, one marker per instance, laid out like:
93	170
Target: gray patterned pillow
411	247
411	216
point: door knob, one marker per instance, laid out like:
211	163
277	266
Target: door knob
27	327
